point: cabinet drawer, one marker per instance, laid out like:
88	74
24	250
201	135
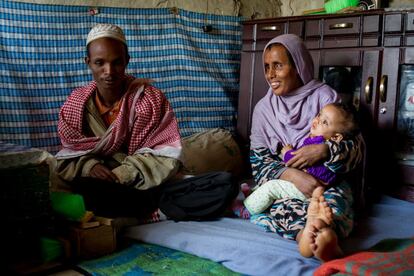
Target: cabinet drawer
409	25
248	32
247	47
313	28
393	23
392	40
270	30
371	24
409	40
341	26
371	41
340	42
408	55
312	43
295	27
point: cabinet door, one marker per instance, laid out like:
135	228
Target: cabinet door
342	70
245	96
387	89
253	87
371	60
353	73
396	110
391	139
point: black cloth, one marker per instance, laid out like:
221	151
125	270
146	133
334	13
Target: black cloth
202	197
115	200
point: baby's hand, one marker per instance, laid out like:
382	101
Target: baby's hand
286	148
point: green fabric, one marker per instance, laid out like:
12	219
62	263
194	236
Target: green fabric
147	259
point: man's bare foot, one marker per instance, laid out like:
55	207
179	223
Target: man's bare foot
325	246
319	216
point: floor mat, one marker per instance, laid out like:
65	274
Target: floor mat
148	259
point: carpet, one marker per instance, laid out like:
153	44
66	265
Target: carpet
148	259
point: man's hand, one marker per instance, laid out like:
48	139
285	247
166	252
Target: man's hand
308	155
101	172
305	182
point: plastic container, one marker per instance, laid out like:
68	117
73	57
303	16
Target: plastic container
68	205
50	249
332	6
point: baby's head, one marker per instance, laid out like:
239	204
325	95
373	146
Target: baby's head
335	121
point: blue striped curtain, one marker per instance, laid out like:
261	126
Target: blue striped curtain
42	48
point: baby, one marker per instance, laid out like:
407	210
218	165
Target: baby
334	122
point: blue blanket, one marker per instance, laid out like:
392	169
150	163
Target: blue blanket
247	249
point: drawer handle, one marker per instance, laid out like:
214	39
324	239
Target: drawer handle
368	90
383	88
270	28
340	26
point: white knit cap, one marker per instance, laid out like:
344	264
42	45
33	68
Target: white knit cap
106	30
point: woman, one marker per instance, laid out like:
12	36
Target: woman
283	117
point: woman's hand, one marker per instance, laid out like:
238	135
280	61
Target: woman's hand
101	172
308	155
305	182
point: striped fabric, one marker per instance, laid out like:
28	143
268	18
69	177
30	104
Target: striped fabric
41	61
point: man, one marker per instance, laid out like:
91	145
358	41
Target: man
119	135
121	143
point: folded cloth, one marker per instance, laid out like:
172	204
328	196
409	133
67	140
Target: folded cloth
388	257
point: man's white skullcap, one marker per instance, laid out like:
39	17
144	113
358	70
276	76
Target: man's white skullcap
106	30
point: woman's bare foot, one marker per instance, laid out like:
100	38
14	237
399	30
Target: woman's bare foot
319	216
319	208
308	235
325	245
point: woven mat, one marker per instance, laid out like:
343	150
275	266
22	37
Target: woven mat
147	259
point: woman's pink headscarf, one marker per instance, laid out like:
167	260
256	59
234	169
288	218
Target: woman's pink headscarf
281	120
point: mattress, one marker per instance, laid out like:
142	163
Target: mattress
247	249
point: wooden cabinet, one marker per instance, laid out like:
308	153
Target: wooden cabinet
373	52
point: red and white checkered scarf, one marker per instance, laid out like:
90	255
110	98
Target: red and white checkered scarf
145	121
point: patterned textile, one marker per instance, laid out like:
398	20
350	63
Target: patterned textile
146	259
265	165
351	150
388	257
41	61
288	216
145	120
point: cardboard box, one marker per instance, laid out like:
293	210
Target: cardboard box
93	242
